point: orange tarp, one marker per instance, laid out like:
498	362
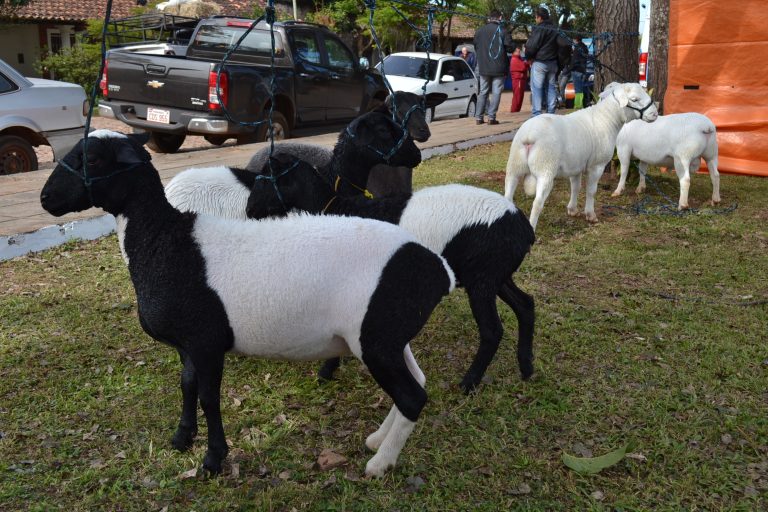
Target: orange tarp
718	54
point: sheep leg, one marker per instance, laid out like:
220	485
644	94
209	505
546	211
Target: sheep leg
642	167
510	185
403	380
543	188
593	176
210	368
187	430
573	204
483	304
714	176
524	307
624	161
326	371
682	168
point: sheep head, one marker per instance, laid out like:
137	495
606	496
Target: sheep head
290	184
635	101
85	176
377	139
412	107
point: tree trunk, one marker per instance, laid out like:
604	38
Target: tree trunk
616	58
658	51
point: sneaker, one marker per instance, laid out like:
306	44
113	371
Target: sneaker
493	121
479	121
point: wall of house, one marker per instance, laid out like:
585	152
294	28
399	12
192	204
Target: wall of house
20	42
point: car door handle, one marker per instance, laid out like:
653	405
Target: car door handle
455	88
304	75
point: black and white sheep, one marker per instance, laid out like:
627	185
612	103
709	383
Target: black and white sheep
223	191
483	237
550	146
299	289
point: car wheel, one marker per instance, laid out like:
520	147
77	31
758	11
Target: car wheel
471	107
280	129
161	142
16	155
216	140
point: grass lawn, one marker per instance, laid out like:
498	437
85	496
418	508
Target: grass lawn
651	330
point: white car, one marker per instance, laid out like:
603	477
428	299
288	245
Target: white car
447	74
35	112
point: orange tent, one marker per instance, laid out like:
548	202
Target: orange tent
717	54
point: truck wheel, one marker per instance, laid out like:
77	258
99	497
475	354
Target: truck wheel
279	126
216	140
16	155
165	142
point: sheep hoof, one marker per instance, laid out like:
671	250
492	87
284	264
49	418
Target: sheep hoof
639	190
616	193
376	469
526	370
682	207
469	384
591	218
715	202
573	213
183	439
212	461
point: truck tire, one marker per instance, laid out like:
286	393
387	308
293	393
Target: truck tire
16	155
280	129
161	142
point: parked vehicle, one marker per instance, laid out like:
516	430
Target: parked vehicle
317	79
409	71
37	112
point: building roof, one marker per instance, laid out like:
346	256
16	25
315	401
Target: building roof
68	10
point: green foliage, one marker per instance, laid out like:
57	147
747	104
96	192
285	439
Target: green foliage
79	64
594	465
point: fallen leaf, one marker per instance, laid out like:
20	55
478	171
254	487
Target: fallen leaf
237	402
637	456
284	475
521	489
329	459
192	473
121	455
726	438
235	470
280	419
598	495
414	483
593	465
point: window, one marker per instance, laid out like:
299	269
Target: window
338	55
413	67
306	47
257	42
6	85
465	73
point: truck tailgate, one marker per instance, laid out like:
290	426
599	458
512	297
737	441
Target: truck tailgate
171	81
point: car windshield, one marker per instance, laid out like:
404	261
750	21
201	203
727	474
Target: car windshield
412	67
217	37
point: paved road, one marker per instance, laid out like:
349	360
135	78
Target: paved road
25	226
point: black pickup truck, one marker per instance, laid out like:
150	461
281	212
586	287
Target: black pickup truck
317	79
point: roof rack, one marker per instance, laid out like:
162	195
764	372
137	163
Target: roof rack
150	27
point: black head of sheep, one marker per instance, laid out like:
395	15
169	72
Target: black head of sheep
412	108
273	195
78	181
374	138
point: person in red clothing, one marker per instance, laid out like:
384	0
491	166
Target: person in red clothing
518	69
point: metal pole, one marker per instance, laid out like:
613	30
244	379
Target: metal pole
295	11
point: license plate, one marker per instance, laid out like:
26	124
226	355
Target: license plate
159	115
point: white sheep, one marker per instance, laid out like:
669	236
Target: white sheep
297	289
675	140
550	146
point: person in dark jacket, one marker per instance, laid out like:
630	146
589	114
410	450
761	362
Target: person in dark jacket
492	43
578	70
542	48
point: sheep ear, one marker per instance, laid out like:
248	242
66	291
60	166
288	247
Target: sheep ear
620	93
434	99
363	129
131	151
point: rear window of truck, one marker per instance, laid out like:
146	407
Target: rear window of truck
222	38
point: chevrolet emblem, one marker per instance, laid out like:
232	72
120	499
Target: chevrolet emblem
155	84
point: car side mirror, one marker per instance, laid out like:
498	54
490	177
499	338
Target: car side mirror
363	63
445	79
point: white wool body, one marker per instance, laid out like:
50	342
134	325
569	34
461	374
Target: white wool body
435	215
284	256
212	190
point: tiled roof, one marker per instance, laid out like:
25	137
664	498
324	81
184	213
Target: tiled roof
69	10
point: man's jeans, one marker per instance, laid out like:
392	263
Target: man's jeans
543	73
495	84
